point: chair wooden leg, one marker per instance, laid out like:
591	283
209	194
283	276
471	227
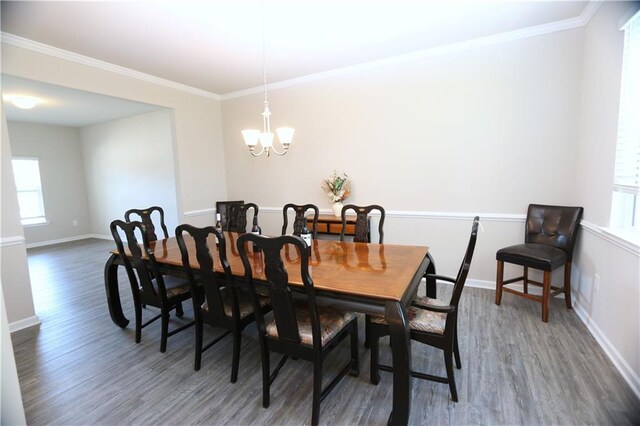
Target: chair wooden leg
355	352
374	375
235	363
525	280
452	381
567	285
499	279
456	349
165	329
367	327
265	376
317	390
179	311
198	359
546	286
138	311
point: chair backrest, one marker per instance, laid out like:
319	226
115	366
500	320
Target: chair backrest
461	278
224	208
362	234
147	221
140	270
198	260
300	219
280	292
238	215
555	226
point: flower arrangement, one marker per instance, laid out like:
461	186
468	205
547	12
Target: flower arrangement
337	187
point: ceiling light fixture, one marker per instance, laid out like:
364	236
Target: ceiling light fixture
24	102
252	137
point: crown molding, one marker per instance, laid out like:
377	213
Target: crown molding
566	24
551	27
35	46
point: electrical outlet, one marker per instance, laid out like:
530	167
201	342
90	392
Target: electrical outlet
596	283
75	222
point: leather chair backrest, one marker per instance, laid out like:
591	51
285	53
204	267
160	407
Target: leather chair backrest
555	226
224	208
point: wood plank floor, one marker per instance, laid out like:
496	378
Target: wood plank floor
79	368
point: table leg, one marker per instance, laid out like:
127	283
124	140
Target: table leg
113	292
396	316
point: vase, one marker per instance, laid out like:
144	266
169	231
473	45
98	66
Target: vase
337	209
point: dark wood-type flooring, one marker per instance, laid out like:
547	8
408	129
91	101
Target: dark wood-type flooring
79	368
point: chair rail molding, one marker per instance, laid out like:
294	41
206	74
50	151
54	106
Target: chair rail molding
601	232
12	241
200	212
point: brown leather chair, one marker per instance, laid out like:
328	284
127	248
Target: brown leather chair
549	238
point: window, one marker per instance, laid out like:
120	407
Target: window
27	175
625	210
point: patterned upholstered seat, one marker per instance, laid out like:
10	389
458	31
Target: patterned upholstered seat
332	320
422	319
174	286
244	304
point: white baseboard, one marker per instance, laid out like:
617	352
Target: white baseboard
630	376
100	236
58	241
24	323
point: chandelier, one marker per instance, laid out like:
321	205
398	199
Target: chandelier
265	138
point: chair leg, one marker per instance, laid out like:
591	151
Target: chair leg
198	359
456	349
165	330
355	352
138	311
374	375
546	285
179	311
567	285
265	375
451	379
525	280
499	279
317	390
235	363
367	327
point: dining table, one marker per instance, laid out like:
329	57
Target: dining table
374	279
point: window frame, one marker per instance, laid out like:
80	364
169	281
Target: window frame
40	219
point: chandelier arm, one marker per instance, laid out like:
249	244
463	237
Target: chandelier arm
274	150
256	154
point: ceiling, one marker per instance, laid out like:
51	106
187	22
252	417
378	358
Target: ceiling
215	47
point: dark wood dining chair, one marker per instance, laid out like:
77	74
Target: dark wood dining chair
299	328
238	213
216	302
300	220
362	231
431	322
148	285
145	216
549	237
224	208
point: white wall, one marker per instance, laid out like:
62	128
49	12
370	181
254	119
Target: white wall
613	313
129	164
487	131
11	408
63	178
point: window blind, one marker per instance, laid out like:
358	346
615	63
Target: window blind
627	168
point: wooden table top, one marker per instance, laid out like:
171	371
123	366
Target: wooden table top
380	271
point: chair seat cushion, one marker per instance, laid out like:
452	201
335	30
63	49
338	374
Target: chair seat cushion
422	319
537	256
332	320
175	286
244	303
